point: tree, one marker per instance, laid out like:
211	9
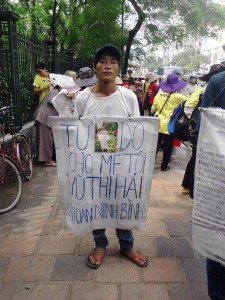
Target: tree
83	25
190	60
165	21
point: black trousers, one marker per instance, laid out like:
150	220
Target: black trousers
167	148
216	280
188	180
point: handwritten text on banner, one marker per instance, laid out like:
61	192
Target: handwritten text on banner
105	168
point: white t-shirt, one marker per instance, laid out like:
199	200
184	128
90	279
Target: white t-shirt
122	103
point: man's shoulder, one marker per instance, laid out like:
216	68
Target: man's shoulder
126	92
83	94
219	76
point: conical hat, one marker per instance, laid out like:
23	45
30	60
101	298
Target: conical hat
152	77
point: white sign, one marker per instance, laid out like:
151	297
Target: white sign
65	82
209	189
105	167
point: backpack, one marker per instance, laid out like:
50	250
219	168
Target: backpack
193	122
178	123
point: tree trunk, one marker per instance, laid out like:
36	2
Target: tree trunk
132	34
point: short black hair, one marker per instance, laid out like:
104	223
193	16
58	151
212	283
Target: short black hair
40	65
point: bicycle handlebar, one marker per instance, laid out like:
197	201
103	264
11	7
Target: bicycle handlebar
6	109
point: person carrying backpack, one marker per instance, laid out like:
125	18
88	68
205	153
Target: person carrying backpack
188	179
167	98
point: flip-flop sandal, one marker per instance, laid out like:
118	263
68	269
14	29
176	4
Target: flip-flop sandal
98	258
135	261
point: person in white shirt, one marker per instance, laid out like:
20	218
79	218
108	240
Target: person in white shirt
107	99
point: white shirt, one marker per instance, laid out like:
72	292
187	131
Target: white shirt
121	103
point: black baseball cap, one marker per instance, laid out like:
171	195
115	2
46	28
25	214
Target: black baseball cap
110	49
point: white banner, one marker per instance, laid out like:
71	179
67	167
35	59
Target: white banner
105	168
209	191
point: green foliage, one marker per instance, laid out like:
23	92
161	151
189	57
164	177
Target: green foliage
190	60
83	25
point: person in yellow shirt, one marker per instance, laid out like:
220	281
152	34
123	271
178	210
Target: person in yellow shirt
167	98
41	84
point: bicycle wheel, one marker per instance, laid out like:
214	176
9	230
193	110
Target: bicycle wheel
24	157
10	184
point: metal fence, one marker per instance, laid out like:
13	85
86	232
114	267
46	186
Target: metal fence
18	56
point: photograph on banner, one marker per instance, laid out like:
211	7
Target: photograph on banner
209	189
105	184
106	136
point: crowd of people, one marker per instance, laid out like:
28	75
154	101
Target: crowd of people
153	95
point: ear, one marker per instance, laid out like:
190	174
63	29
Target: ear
94	69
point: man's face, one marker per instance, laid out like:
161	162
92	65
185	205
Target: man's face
107	68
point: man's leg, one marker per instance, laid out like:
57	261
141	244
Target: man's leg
167	151
126	239
95	259
100	238
216	280
126	244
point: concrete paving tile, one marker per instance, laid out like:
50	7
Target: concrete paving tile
173	247
44	291
184	213
71	268
94	291
144	291
29	268
159	182
177	182
162	213
173	191
145	246
195	270
179	229
189	292
157	191
52	226
118	269
4	261
56	245
163	270
153	228
7	290
18	244
172	201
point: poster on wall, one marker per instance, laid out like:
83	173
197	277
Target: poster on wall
209	190
105	168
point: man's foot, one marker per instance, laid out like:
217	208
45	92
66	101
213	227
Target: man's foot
50	163
95	259
136	257
185	191
166	169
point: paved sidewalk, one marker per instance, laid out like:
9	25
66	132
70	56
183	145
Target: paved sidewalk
40	258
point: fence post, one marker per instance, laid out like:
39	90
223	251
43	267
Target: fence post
9	73
51	56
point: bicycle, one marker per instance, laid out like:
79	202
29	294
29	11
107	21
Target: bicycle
14	167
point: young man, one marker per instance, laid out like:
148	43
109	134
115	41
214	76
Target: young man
108	99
